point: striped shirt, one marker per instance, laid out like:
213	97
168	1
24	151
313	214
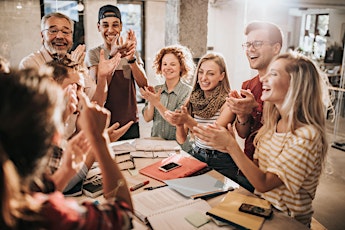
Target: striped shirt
295	159
205	121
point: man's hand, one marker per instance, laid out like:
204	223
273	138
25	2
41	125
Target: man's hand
78	55
242	105
115	133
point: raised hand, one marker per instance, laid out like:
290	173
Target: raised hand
149	94
177	117
76	151
241	104
78	55
216	136
71	100
93	119
107	67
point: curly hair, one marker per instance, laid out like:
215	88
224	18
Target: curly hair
182	53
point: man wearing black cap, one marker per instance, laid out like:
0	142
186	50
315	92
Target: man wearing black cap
121	98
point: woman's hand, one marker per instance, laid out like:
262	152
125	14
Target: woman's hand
149	94
177	117
216	136
93	119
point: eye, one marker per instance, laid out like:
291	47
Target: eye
53	31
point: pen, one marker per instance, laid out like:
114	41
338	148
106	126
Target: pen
151	188
137	186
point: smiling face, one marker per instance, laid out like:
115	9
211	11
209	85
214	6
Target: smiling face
260	58
209	76
109	27
171	67
275	84
61	42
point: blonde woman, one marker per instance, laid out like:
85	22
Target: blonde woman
206	105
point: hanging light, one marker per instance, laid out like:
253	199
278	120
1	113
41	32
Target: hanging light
80	6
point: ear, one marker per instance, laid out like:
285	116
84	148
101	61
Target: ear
222	77
276	48
98	27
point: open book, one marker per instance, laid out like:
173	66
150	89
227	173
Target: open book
228	211
189	165
165	209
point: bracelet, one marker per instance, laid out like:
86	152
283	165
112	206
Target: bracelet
242	123
132	61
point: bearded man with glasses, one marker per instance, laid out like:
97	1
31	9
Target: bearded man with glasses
264	42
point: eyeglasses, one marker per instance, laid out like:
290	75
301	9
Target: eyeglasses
55	31
255	44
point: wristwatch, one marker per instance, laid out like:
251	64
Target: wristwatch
132	60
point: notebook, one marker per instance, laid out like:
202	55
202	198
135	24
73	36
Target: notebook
189	165
201	186
228	211
165	207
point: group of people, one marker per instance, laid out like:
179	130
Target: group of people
68	107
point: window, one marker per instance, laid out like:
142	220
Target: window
315	36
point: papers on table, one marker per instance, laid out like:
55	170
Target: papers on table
201	186
147	148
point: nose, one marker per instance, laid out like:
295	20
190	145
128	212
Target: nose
60	34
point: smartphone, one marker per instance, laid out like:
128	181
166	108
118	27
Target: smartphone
255	210
170	166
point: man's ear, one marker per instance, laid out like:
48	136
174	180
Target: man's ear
98	27
276	48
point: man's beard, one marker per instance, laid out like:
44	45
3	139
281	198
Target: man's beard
60	53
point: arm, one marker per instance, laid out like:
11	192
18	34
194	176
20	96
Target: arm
226	116
224	140
137	69
93	121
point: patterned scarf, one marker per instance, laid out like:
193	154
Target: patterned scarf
207	107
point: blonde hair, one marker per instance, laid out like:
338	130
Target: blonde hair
303	102
219	60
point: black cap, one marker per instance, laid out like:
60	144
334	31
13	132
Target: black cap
112	11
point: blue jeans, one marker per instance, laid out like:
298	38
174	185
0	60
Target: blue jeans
222	163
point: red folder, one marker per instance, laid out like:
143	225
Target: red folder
189	165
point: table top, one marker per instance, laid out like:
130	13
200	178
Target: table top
279	220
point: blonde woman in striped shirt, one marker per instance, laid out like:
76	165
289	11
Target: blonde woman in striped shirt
291	146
